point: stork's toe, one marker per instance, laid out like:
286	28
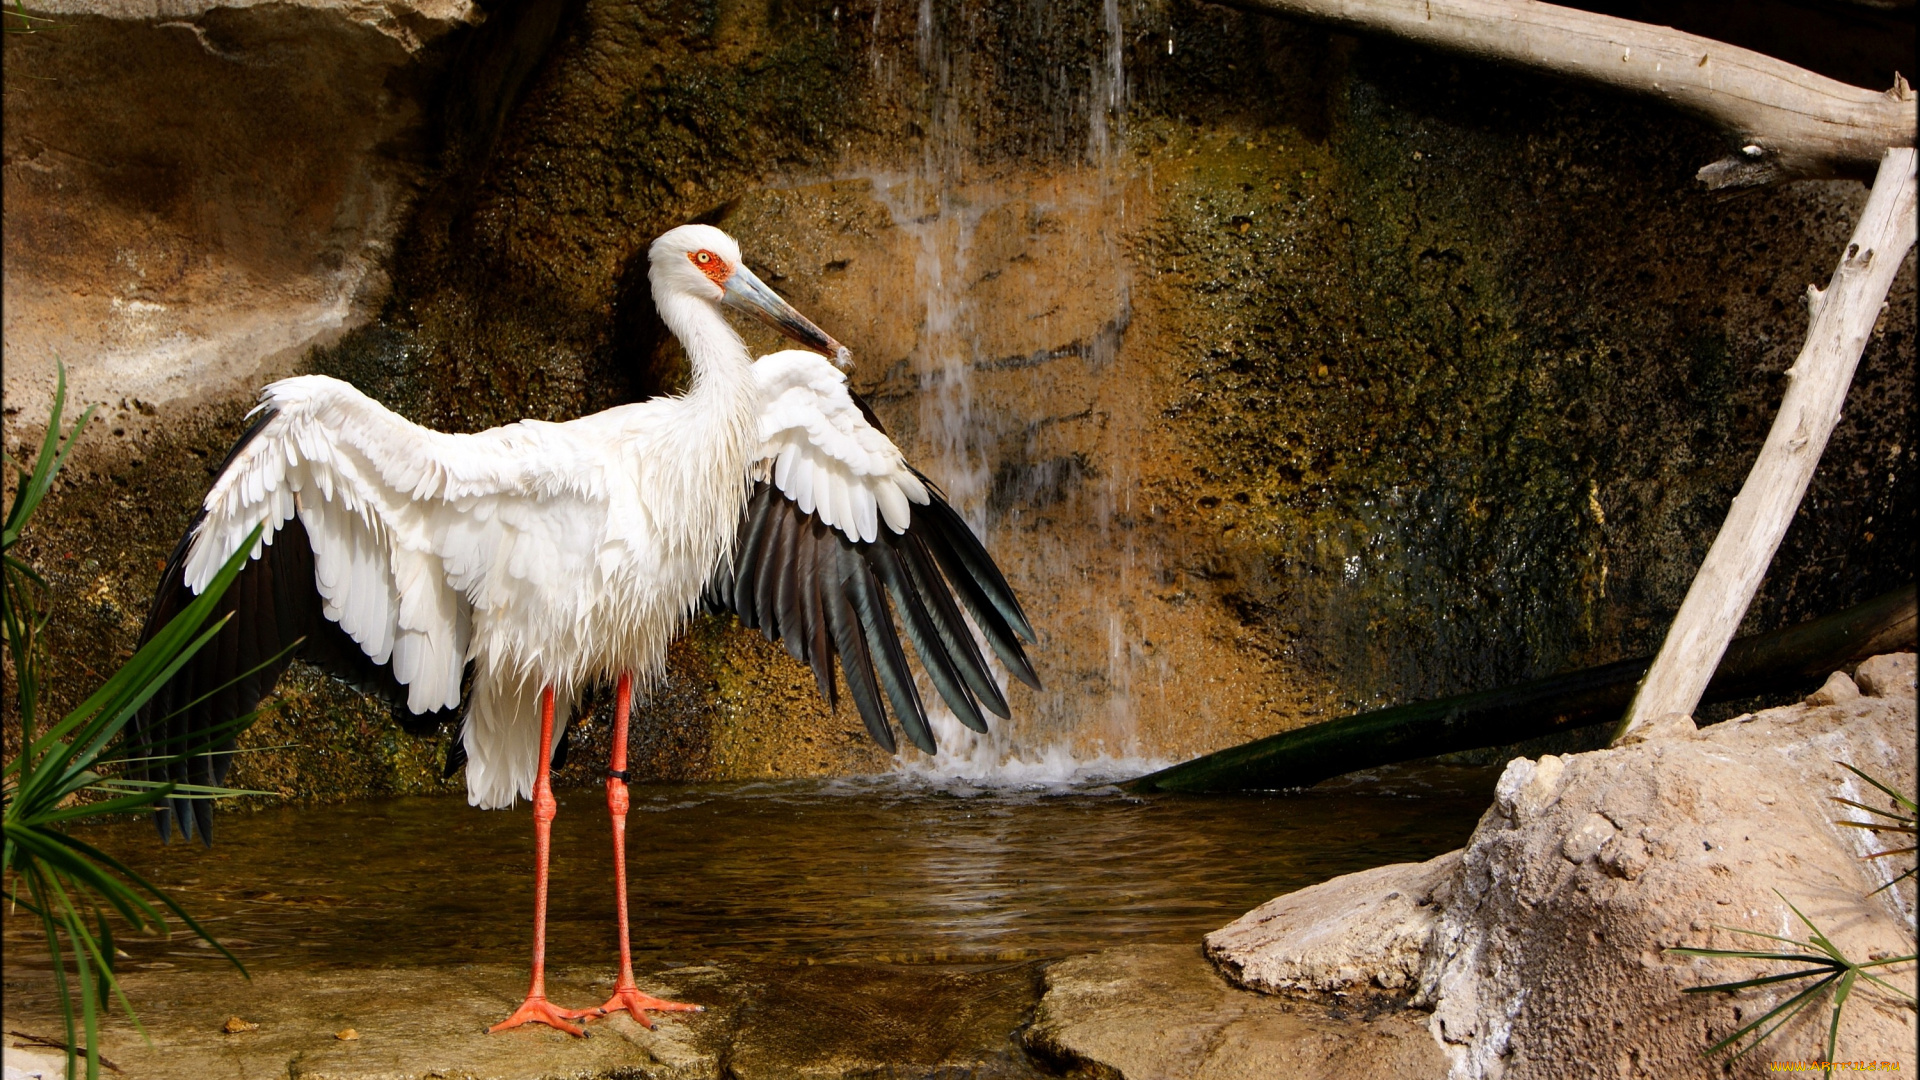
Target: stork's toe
538	1010
638	1004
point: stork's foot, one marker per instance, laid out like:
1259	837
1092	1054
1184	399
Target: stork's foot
538	1010
638	1005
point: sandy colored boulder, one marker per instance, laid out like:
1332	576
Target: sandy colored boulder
1357	932
1837	689
1665	726
1549	959
1548	954
1160	1012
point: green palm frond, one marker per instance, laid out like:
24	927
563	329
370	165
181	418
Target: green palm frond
1896	822
72	887
1826	965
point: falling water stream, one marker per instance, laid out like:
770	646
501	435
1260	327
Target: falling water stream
973	431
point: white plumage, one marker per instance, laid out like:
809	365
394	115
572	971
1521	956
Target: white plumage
824	455
536	558
549	553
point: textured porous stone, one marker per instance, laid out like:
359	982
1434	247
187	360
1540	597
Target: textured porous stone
1548	959
1161	1012
1357	932
1548	954
1838	688
1665	726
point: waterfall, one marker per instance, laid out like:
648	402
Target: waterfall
972	402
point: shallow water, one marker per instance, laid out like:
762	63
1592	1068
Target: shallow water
888	870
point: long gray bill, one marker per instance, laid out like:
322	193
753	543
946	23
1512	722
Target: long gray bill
749	293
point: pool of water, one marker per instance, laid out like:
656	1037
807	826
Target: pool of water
886	869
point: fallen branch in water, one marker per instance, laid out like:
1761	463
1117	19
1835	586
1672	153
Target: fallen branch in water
1788	123
1784	659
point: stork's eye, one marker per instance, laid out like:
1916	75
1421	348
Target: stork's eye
712	265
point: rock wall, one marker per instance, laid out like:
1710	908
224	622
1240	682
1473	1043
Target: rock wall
1540	948
198	193
1287	373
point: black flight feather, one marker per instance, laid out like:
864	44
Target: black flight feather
889	662
804	584
855	662
925	636
952	626
986	614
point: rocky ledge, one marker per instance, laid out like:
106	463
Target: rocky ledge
1539	950
198	191
769	1022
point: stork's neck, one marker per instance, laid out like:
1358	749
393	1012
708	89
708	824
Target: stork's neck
718	432
722	371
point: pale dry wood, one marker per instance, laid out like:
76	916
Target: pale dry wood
1788	123
1842	318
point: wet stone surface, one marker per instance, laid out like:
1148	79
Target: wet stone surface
765	1021
1155	1012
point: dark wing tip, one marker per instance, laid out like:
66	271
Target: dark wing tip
805	584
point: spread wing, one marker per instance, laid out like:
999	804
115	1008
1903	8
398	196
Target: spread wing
381	538
839	524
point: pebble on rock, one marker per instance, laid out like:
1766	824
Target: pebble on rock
1837	689
1887	675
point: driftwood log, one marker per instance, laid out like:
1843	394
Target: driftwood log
1786	123
1842	318
1788	659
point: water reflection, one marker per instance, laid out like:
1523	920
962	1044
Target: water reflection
884	869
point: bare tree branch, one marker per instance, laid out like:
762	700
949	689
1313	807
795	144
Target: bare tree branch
1789	123
1842	318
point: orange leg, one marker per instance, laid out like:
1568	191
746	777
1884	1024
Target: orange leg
537	1009
626	995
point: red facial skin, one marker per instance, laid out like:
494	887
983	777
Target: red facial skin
712	265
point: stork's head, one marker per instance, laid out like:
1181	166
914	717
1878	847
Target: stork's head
702	262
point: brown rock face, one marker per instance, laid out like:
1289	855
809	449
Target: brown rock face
197	194
1286	374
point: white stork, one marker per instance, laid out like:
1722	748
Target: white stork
512	568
